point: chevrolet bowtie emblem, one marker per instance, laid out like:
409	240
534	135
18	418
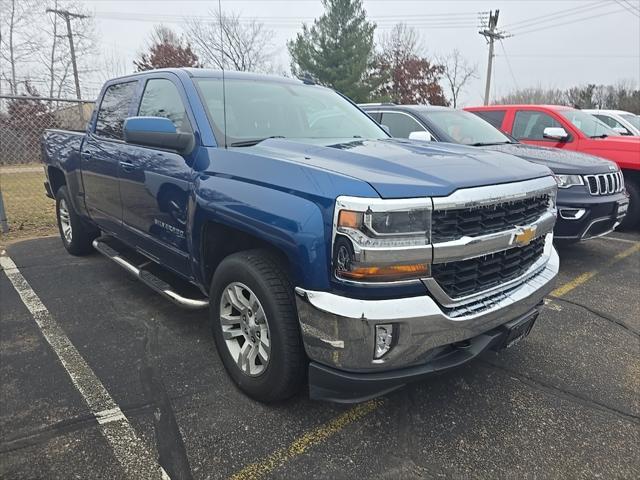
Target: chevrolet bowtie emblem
524	236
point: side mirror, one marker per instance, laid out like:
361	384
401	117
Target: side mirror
158	132
621	130
555	133
385	128
421	135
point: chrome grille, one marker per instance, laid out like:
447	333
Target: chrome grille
605	183
455	223
468	277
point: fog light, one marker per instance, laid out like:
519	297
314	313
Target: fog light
384	338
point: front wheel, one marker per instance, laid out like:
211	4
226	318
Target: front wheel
76	235
255	325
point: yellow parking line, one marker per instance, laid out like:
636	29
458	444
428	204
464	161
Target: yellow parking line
311	438
585	277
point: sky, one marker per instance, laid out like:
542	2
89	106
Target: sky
554	43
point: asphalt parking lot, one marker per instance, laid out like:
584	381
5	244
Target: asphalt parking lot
564	403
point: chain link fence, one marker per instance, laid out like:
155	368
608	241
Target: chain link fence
25	211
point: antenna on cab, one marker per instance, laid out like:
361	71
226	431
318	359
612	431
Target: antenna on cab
224	91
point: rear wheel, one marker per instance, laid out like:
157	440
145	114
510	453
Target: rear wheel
76	235
632	218
255	325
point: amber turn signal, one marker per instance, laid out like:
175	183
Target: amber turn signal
387	273
349	219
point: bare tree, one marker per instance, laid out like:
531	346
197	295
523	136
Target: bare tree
402	42
230	42
457	73
113	65
407	76
18	39
535	95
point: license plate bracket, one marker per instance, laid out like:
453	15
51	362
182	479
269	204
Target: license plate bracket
518	329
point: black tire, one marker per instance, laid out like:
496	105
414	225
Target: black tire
264	275
632	218
82	235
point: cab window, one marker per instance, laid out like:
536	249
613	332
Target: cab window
114	109
494	117
530	125
161	98
400	124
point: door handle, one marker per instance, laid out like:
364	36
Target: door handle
127	166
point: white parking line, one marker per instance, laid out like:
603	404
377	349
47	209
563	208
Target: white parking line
625	240
129	450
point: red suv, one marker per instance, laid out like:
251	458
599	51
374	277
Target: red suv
571	129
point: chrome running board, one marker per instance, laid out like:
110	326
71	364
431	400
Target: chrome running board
149	278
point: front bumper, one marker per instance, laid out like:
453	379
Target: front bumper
335	385
338	332
581	220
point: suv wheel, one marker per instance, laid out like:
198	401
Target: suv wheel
255	325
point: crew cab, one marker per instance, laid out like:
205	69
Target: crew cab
570	129
583	213
325	250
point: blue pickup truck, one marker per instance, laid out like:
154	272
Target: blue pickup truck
326	251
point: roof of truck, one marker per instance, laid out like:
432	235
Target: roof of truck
519	106
211	73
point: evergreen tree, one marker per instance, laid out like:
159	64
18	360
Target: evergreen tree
338	50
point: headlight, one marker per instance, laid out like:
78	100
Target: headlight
381	240
566	181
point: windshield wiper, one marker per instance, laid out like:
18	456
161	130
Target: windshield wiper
251	143
486	144
604	135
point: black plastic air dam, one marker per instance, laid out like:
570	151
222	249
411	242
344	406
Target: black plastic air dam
330	384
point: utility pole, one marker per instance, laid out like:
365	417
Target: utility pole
491	34
67	15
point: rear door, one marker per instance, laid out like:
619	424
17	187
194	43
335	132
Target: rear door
101	154
155	186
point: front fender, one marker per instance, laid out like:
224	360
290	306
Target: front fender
295	225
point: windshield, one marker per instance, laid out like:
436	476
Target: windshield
258	109
588	124
464	127
632	119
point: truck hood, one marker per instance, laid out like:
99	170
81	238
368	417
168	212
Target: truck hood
558	160
398	168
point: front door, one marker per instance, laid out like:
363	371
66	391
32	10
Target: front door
529	125
155	183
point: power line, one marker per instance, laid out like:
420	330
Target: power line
555	15
578	20
513	77
630	8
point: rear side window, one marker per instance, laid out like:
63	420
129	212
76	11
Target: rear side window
494	117
530	125
400	124
162	99
114	109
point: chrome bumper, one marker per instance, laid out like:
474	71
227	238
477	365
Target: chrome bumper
339	331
